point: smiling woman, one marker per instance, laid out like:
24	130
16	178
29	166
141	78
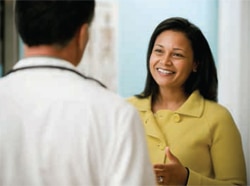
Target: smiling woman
178	107
171	61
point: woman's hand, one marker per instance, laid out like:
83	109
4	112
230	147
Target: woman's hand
172	173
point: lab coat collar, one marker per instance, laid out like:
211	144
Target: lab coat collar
43	60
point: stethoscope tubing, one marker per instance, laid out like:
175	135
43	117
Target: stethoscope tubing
55	67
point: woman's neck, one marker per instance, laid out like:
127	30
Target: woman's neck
169	100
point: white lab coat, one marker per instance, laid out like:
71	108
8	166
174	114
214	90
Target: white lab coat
59	129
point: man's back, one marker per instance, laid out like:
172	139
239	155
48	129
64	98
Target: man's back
57	128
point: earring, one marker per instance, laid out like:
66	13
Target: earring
194	70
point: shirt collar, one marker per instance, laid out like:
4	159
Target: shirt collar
193	106
43	60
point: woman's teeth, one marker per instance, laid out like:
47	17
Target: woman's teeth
164	71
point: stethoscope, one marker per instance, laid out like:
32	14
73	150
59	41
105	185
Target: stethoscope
55	67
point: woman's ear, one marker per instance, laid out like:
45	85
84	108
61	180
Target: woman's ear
195	67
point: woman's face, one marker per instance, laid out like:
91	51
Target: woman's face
171	60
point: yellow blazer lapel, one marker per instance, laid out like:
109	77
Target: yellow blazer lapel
151	127
150	124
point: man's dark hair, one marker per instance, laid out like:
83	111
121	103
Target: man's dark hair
205	79
48	22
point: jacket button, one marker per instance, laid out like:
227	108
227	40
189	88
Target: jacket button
161	146
176	118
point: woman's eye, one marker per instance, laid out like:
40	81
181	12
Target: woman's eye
158	50
177	55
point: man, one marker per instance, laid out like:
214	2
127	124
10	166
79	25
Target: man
58	127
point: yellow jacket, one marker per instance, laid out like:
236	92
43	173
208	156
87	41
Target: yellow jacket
201	134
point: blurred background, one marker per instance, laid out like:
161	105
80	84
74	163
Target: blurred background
116	53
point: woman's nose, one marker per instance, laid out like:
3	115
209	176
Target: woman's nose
166	60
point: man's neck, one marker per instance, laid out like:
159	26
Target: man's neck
67	53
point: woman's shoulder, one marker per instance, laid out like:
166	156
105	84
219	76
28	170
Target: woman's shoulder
140	103
217	111
216	106
132	99
209	105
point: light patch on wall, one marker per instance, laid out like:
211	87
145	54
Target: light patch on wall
100	57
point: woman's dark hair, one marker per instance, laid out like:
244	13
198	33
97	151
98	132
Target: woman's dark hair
51	21
205	79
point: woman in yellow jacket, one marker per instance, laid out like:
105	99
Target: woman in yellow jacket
192	140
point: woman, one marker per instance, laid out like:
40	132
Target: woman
192	140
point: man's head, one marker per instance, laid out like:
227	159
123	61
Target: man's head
51	22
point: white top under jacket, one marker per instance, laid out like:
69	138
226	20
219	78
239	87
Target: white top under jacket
59	129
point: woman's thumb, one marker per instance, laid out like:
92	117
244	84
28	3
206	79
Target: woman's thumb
169	155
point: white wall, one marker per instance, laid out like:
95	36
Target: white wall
234	65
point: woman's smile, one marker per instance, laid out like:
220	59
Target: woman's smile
164	71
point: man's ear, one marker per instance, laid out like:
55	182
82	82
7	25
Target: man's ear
83	36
